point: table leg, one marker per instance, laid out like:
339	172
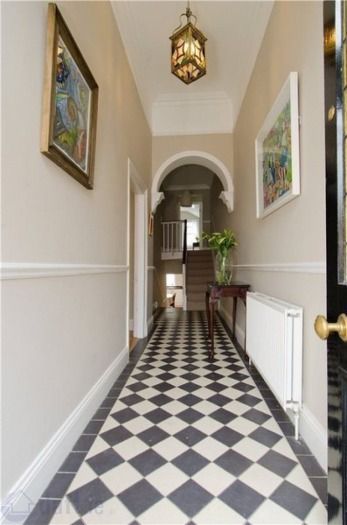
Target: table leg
207	303
245	344
212	330
234	315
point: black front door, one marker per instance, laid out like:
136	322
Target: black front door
335	51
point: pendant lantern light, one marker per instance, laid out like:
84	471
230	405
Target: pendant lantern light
188	58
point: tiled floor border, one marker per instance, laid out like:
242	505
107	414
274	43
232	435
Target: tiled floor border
309	463
52	496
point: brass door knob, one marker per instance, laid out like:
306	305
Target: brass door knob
324	329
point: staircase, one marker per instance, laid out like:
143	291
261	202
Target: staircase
199	271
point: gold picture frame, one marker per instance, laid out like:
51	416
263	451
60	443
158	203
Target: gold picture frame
70	100
151	225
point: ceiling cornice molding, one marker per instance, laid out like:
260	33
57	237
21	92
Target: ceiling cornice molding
213	108
210	106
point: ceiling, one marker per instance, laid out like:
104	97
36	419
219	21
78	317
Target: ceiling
234	30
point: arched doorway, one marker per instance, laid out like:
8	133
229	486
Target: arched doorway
198	158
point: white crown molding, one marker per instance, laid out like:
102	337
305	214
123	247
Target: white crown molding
14	270
204	114
300	267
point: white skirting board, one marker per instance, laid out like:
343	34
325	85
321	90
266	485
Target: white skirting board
315	436
35	479
312	431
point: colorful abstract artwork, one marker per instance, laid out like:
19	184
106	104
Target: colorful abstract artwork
277	152
72	104
69	103
277	159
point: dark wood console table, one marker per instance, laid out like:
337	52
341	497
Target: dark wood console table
213	294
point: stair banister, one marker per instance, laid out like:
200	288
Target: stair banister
184	261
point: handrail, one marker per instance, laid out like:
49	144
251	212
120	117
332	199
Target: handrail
171	221
184	258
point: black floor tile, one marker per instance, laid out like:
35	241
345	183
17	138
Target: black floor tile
93	427
139	497
89	496
277	463
233	462
293	499
265	437
242	498
42	513
311	466
321	487
147	462
190	498
58	486
104	461
227	436
190	462
73	462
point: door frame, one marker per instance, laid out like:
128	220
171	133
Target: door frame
135	185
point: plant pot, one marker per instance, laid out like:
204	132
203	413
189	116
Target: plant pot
224	268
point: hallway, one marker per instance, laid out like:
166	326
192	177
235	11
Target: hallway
181	440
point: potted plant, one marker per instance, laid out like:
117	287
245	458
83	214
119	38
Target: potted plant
222	243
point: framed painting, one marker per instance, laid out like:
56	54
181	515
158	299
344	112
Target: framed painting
277	152
70	99
151	225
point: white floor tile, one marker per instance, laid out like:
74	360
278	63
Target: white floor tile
208	425
163	513
318	515
121	477
242	425
65	514
250	448
167	478
112	512
130	447
170	448
214	479
84	475
217	513
210	448
261	479
137	425
269	513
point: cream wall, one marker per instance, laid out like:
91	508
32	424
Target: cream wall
219	145
61	333
295	234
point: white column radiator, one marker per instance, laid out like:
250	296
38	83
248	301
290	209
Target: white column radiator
274	345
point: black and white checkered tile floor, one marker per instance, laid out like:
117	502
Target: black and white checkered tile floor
186	442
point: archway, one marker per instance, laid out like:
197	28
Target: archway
201	159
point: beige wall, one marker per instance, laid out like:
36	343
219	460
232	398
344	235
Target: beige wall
296	232
61	333
219	145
